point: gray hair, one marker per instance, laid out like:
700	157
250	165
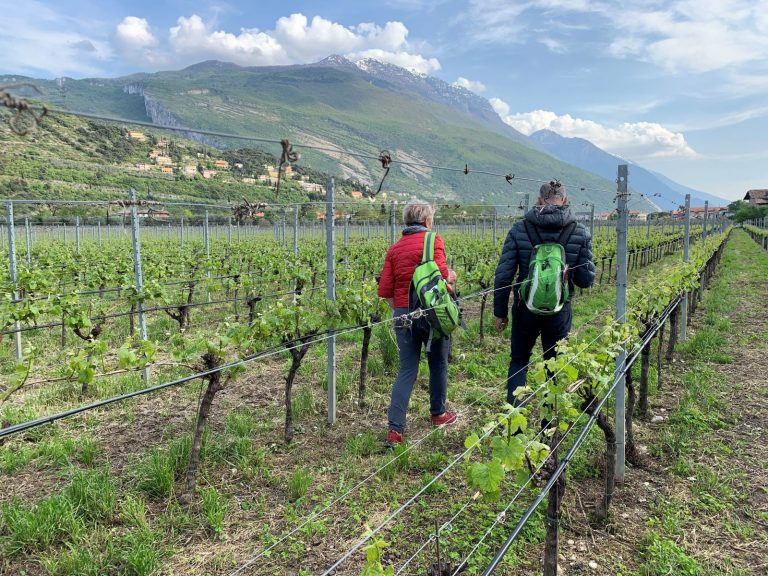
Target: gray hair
553	189
417	212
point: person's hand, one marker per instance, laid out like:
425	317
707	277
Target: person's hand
501	324
451	276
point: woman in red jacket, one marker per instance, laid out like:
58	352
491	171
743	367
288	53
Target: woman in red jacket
395	285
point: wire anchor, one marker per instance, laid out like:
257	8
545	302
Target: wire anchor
287	156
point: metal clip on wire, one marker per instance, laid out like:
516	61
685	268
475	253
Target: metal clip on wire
386	161
286	158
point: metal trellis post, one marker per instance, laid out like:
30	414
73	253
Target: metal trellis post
28	238
14	277
136	243
686	244
330	261
392	223
621	313
295	230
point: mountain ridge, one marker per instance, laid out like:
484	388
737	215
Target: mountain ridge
586	155
336	105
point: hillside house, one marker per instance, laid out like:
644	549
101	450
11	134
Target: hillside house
167	170
356	194
312	187
221	164
136	135
143	213
249	180
638	215
757	197
207	174
239	165
698	212
163	160
141	167
190	170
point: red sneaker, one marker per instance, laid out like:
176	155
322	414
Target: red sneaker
393	437
445	419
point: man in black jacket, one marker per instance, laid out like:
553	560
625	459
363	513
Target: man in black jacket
549	218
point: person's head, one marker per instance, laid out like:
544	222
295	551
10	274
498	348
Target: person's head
418	212
553	193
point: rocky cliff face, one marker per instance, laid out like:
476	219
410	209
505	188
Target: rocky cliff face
163	117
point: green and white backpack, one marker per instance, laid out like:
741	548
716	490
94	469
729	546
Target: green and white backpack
432	294
545	291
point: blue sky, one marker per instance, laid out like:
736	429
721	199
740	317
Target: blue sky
679	86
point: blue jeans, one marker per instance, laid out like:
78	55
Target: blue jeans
526	327
410	340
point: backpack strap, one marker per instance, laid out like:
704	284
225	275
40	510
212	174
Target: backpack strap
429	247
533	234
565	235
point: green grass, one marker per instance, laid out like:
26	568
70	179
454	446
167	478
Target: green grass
298	484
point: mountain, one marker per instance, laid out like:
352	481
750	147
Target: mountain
585	155
349	112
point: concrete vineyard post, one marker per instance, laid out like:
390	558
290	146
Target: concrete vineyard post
686	244
28	238
621	313
14	277
706	218
495	225
592	220
98	232
136	244
295	230
330	261
392	223
77	235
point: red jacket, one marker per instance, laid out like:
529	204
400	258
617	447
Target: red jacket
402	258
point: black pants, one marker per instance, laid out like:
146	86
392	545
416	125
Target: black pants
526	327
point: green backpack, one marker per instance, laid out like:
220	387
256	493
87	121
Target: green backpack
545	291
432	294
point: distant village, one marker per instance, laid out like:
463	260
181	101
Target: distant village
161	161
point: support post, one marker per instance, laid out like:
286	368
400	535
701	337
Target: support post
686	244
136	243
28	238
706	219
296	230
330	260
77	235
495	226
98	232
392	223
592	220
621	313
14	275
207	241
346	229
181	233
229	230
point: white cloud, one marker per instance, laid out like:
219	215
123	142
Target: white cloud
634	140
192	40
133	33
294	39
471	85
37	40
136	43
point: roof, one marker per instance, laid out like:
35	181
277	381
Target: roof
759	194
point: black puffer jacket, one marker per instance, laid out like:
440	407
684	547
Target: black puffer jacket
516	255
